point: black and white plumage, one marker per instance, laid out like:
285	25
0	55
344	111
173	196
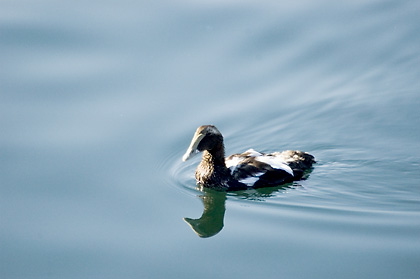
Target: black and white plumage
250	169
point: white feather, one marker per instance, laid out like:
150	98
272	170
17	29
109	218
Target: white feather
249	181
236	160
233	163
252	153
275	162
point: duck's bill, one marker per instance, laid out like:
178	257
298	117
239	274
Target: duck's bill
189	154
192	149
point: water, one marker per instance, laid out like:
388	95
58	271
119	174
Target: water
99	101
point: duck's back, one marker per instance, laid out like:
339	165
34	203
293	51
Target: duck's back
256	169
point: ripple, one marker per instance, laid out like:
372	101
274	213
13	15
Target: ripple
179	174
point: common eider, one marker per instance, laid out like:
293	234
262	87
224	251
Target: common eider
251	169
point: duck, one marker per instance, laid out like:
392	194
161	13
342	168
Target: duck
248	170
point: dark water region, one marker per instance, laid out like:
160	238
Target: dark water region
99	101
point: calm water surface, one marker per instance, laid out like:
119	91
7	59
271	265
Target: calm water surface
99	100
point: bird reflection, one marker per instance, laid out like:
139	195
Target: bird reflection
211	221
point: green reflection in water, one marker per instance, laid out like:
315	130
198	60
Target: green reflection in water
211	221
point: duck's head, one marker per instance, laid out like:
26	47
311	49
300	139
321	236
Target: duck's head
206	137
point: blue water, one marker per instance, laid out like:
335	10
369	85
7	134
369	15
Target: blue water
99	100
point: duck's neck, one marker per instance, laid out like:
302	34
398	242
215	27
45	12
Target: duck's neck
212	170
216	156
